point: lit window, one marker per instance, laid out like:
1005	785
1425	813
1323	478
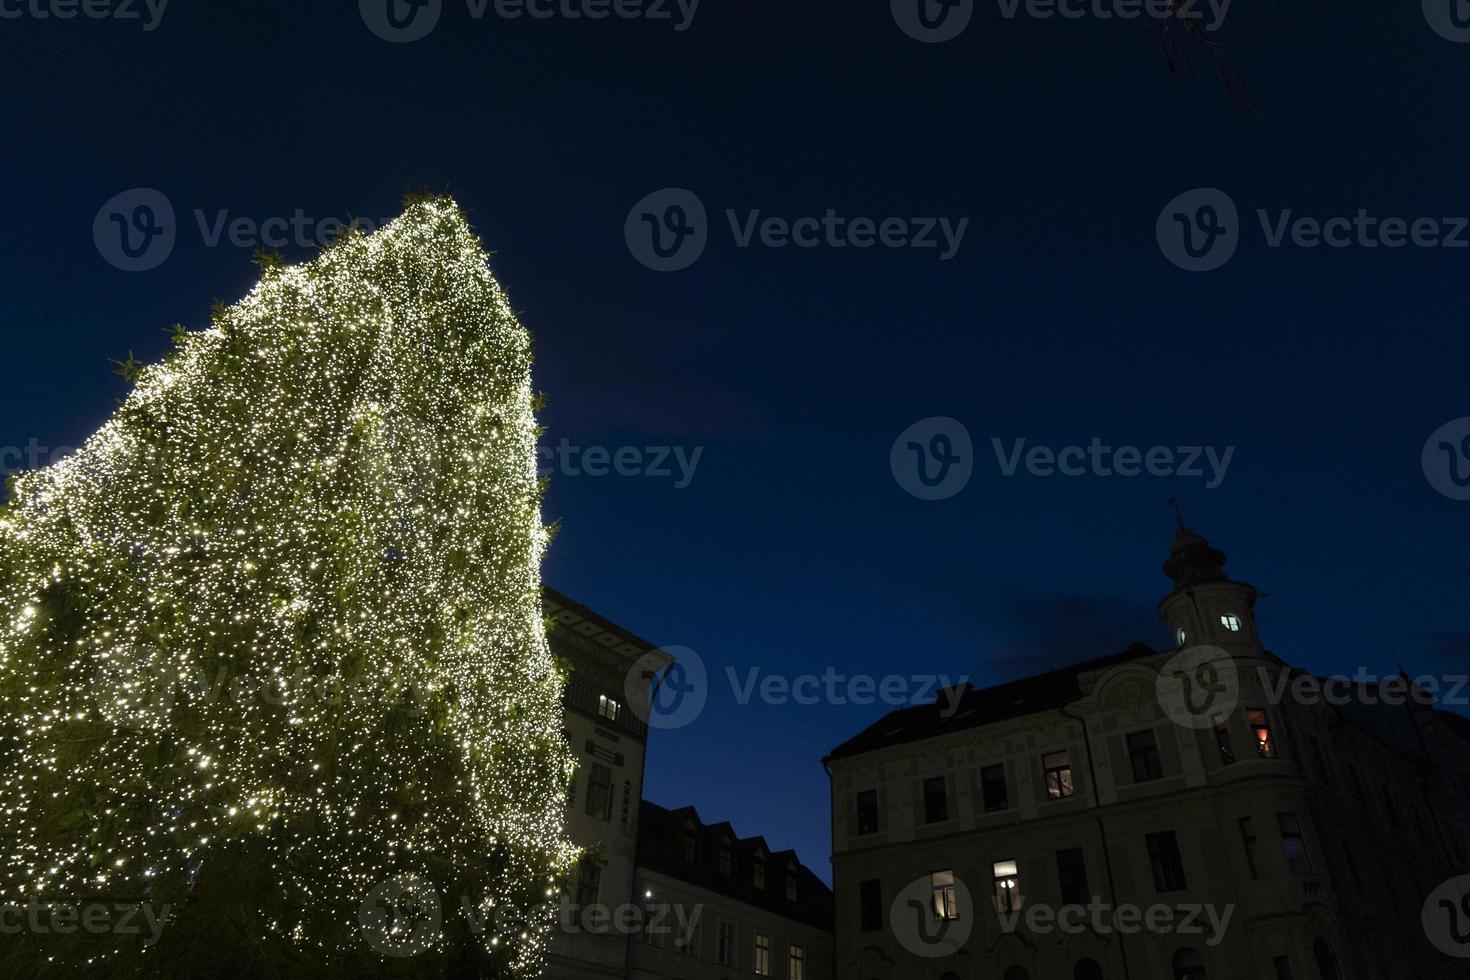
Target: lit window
1181	636
946	907
1007	887
607	707
1230	622
1058	769
762	956
797	959
1261	730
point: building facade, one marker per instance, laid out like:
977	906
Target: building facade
659	893
1182	813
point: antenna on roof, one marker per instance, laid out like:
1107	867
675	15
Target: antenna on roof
1178	514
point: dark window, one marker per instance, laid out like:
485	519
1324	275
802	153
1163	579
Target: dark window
725	950
993	786
1261	731
599	792
1248	841
1352	866
589	878
1326	961
758	872
1222	740
1058	769
867	811
1283	967
1188	965
936	800
1163	858
691	845
793	888
727	858
870	905
1319	762
1072	874
1294	844
1143	750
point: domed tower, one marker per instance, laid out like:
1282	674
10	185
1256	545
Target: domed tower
1206	606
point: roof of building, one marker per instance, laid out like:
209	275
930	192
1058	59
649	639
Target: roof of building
982	706
664	838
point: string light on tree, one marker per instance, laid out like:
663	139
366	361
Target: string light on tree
274	635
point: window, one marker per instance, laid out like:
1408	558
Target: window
589	880
758	871
867	811
946	906
1222	740
607	707
687	941
1087	970
1319	760
600	792
1282	966
1230	621
1007	887
793	888
870	905
1143	750
1016	973
725	949
993	787
655	917
762	955
1072	876
936	800
727	857
1248	841
1326	961
1352	866
796	960
1058	769
1294	844
1181	635
1163	858
1188	965
690	844
1261	729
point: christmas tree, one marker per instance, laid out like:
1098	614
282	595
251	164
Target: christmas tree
272	658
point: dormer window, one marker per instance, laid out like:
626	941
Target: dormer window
1231	622
758	871
792	888
691	844
727	858
607	707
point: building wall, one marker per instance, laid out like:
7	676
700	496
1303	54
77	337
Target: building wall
1277	910
663	957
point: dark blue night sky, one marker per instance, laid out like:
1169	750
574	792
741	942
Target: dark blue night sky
793	549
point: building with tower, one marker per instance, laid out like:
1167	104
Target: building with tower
1187	812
